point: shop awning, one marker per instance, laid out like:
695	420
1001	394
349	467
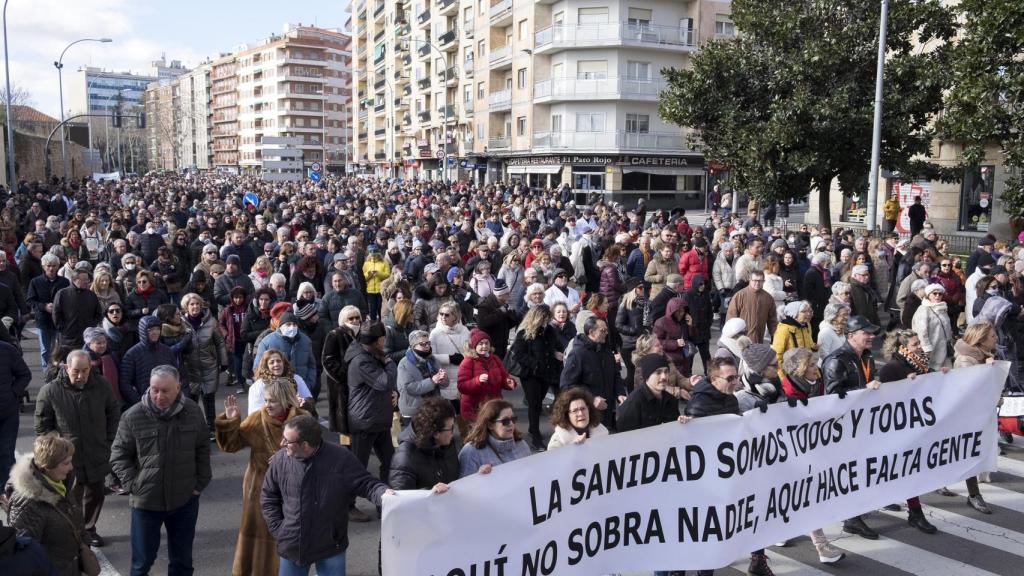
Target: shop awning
534	169
665	171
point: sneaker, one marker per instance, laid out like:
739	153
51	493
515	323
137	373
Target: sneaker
917	520
857	526
978	503
759	566
240	390
96	541
357	515
945	492
985	477
829	554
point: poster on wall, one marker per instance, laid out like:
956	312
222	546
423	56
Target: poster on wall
906	192
976	198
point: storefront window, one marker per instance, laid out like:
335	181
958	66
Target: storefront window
976	199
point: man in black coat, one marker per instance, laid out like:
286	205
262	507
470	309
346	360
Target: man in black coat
592	364
496	318
76	308
651	404
917	215
982	255
14	379
818	289
673	289
41	292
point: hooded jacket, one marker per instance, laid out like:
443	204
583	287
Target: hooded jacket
668	331
162	457
298	350
371	380
37	511
706	400
139	361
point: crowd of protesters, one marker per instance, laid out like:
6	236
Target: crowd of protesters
412	308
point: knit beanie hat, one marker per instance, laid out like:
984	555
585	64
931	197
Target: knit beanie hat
650	363
476	336
452	272
372	333
792	309
734	327
304	311
500	287
758	356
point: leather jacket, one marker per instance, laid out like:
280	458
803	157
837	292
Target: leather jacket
842	370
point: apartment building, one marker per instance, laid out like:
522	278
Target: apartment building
295	85
224	114
540	91
178	121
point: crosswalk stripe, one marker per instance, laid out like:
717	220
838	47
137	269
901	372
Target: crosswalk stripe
1011	466
995	495
953	524
902	556
782	565
106	568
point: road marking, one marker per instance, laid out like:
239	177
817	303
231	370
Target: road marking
970	529
106	568
783	565
1011	466
903	556
995	495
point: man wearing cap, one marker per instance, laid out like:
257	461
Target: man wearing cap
76	308
372	397
79	405
982	255
341	263
848	368
694	262
414	264
560	291
863	301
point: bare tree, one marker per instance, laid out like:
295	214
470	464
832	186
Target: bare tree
20	96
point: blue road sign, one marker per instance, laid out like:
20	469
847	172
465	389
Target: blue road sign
251	198
314	176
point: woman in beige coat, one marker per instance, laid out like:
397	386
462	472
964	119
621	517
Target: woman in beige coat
661	265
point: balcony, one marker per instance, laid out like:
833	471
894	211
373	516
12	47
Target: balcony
378	35
401	103
424	50
468	25
424	83
378	11
361	6
404	30
380	156
380	132
379	84
446	42
447	112
423	19
361	30
363	114
501	13
468	66
660	142
407	90
380	58
447	6
406	60
499	144
564	89
379	108
560	36
498	101
424	116
362	136
448	76
467	106
500	57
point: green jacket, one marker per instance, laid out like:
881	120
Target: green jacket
162	459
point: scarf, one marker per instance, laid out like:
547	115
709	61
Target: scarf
57	485
195	322
603	315
425	365
171	331
145	292
920	364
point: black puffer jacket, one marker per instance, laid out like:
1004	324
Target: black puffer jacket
842	370
700	310
87	416
632	321
415	468
371	381
39	512
706	400
538	355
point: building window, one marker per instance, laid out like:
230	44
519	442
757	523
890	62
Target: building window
467	93
481	48
591	69
481	90
592	15
558	19
638	71
521	78
638	123
480	131
724	25
639	18
523	29
521	126
976	196
590	122
556	122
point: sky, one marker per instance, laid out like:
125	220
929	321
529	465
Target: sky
187	30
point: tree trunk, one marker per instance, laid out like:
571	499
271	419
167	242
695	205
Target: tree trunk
824	212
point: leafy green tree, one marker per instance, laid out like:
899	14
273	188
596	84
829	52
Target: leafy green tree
986	102
788	104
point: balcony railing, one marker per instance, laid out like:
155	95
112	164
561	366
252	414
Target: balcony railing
499	100
499	9
467	106
424	116
629	141
424	50
379	9
598	88
423	17
499	143
448	75
379	84
380	132
424	83
444	5
448	36
572	35
378	35
447	112
404	29
499	53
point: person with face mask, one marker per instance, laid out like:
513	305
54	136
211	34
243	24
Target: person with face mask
419	376
295	345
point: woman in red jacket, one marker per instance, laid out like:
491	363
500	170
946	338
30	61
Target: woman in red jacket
481	375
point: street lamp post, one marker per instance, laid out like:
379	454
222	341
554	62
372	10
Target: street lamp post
876	135
444	145
389	119
59	64
12	182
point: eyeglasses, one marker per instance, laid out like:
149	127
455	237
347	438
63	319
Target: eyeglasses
579	410
507	421
732	378
114	311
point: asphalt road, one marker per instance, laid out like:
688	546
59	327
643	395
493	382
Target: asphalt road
968	543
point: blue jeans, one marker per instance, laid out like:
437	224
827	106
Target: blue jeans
8	438
333	566
236	368
47	343
181	531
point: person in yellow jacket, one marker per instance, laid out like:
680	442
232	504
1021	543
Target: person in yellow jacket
794	331
376	271
891	212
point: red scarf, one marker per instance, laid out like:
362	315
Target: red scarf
601	315
145	292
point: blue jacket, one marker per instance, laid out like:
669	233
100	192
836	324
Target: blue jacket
139	361
299	353
14	379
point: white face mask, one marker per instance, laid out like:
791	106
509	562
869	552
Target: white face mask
354	326
129	266
993	291
289	331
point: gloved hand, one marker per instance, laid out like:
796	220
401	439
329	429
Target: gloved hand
762	406
455	358
8	322
842	394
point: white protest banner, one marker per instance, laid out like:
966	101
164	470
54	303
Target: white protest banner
700	495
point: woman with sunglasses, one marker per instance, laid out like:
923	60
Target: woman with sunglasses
145	298
955	296
494	440
120	334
